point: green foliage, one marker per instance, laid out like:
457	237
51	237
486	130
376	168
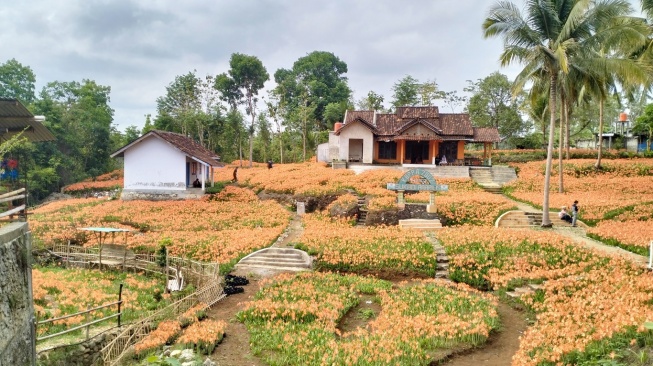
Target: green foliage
217	187
17	81
406	92
493	105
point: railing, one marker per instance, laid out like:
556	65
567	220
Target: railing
10	197
201	271
115	350
84	325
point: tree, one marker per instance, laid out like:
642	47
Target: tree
318	76
17	81
429	92
371	102
241	85
406	92
452	100
492	105
644	125
177	109
546	39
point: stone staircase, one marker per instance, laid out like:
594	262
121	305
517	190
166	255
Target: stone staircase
521	219
362	211
280	259
420	224
524	290
492	178
442	266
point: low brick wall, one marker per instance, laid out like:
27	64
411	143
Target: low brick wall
16	307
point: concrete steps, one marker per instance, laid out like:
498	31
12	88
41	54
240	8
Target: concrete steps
420	224
286	259
491	179
521	219
362	212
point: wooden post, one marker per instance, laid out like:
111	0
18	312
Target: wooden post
88	307
67	254
119	302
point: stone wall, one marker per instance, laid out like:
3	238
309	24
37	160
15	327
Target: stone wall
16	307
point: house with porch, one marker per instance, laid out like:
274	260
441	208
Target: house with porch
411	135
166	163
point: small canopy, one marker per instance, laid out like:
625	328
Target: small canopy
15	118
102	233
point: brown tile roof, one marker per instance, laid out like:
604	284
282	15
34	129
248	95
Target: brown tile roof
366	115
448	126
417	112
185	144
456	124
486	134
365	123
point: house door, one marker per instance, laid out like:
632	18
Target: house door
355	150
417	151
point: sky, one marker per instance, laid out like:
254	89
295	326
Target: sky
138	47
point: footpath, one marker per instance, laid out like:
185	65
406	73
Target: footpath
579	235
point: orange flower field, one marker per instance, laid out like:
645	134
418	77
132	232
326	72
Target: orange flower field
233	225
342	247
59	292
294	320
588	297
109	181
590	308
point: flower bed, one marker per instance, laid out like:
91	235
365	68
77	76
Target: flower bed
591	305
341	247
234	224
58	292
294	320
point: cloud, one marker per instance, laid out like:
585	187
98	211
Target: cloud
138	47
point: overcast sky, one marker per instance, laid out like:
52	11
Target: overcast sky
138	47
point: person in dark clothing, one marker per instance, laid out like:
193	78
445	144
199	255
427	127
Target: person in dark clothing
269	164
235	175
574	213
197	183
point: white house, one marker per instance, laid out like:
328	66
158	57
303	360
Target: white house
162	161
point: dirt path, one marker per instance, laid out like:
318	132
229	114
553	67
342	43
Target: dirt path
234	349
500	347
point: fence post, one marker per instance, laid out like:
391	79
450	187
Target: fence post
650	256
67	254
88	307
119	303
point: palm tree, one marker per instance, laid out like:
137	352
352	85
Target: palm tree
553	39
544	39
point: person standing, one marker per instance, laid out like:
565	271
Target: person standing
574	213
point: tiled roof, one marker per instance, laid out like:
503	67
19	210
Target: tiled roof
365	115
447	126
185	144
360	120
486	134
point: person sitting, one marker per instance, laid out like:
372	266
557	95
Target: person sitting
443	161
197	183
563	215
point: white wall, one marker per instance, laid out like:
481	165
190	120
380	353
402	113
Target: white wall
357	131
323	152
153	164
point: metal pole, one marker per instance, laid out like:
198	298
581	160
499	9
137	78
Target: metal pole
119	303
88	307
650	256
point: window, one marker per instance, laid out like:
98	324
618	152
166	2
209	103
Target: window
387	150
